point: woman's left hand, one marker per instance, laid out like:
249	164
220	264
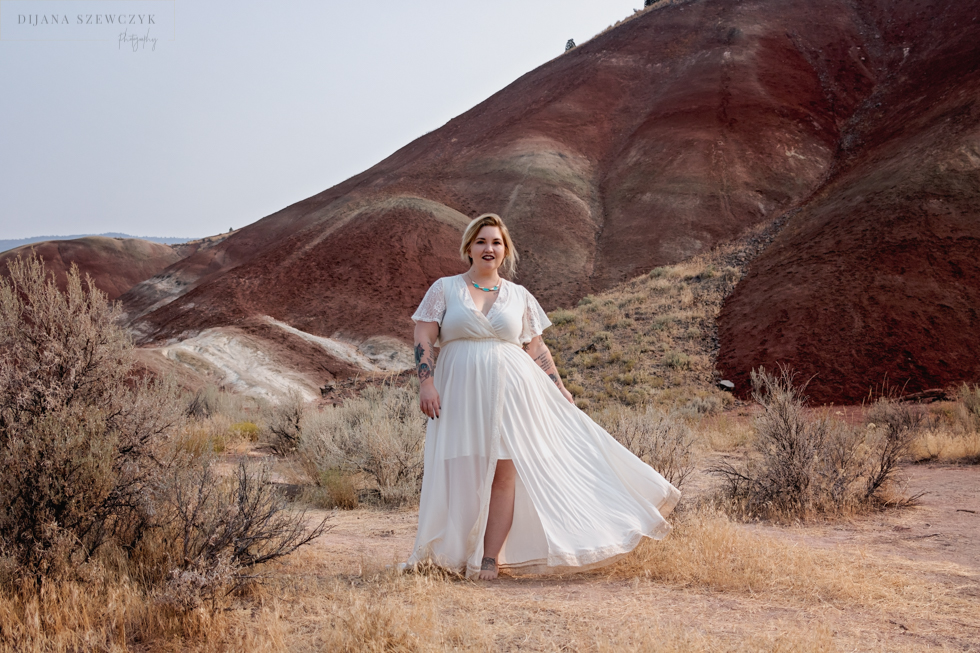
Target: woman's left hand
567	395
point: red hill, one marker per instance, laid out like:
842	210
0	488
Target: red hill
114	264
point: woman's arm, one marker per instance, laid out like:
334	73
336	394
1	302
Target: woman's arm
426	334
542	356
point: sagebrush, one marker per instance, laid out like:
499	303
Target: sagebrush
97	484
379	435
804	462
660	439
79	433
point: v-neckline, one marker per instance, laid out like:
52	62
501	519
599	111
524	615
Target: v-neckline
466	287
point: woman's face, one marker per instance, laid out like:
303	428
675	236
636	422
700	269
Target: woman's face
487	251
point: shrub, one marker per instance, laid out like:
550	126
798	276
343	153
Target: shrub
804	464
334	489
575	389
285	424
892	429
79	436
204	403
703	405
226	527
677	360
561	316
90	477
246	430
657	438
381	434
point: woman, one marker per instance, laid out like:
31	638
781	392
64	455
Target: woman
516	476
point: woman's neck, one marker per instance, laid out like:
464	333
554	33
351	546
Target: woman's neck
484	278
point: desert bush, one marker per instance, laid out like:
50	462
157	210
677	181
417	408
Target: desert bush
226	527
380	434
79	434
699	406
677	360
805	463
660	439
333	489
892	428
204	403
246	430
284	424
562	316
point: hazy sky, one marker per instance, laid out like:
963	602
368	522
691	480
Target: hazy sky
241	108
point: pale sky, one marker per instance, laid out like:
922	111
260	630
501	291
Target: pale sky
243	107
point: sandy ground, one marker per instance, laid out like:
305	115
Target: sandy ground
935	541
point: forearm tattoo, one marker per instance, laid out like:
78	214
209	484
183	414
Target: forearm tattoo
545	362
427	368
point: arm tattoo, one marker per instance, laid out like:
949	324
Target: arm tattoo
427	369
545	363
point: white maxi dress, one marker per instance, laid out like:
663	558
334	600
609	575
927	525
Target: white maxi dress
582	498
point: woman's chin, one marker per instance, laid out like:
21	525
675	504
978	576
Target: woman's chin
487	266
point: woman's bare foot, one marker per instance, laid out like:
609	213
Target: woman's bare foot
488	569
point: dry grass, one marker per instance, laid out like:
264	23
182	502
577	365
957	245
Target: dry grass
707	549
946	446
648	341
725	432
712	585
651	340
953	431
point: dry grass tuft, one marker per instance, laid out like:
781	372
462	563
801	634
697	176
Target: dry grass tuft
953	430
707	549
939	444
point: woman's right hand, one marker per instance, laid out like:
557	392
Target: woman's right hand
429	399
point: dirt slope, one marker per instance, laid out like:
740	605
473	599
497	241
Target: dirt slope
877	277
654	141
114	264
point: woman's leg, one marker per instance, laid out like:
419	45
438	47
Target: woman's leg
500	518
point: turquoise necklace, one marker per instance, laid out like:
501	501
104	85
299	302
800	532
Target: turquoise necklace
479	287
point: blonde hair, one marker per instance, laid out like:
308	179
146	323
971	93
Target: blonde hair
509	264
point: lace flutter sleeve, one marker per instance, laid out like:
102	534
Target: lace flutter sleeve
433	306
535	319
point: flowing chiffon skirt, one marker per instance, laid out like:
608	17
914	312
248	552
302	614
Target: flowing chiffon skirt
582	498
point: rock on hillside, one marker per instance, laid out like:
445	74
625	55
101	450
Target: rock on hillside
673	132
114	264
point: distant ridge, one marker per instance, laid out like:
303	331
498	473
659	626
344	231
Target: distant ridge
11	244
